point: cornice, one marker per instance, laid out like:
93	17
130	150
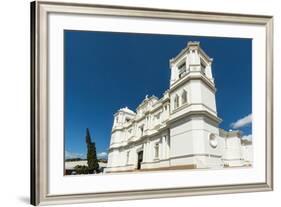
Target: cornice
210	60
142	139
193	76
186	49
178	56
191	114
191	104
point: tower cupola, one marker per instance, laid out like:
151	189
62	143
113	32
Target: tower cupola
123	116
191	59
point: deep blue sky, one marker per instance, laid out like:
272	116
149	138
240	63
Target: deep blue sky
105	71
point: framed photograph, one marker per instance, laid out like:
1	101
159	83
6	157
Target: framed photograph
136	103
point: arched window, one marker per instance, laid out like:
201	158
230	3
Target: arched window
176	102
184	97
182	69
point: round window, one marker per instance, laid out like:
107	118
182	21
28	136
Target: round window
213	140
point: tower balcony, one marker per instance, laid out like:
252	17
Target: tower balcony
193	75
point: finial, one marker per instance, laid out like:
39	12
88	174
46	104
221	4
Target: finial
193	43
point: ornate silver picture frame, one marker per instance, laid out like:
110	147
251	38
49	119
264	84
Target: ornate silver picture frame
40	101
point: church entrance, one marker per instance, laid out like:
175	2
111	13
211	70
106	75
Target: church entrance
140	156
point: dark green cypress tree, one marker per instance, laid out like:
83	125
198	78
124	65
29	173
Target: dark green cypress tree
88	136
92	160
95	160
90	157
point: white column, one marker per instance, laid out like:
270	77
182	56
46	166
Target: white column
148	151
134	156
173	74
144	152
146	122
168	146
150	121
163	147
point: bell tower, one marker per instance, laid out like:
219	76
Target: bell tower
191	81
193	115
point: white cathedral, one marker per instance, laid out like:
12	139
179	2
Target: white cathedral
180	130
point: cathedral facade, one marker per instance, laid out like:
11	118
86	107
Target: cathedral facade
179	130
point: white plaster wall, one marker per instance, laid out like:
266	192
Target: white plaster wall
233	153
178	92
208	97
109	159
115	158
182	161
199	96
112	138
148	156
195	91
154	120
117	136
122	158
247	154
208	71
192	138
210	129
132	158
165	113
151	151
199	140
156	164
181	139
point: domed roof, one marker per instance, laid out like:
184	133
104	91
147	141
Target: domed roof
127	110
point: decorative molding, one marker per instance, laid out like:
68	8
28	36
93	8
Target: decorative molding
190	76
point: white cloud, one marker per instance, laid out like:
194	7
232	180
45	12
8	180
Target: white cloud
247	137
102	155
71	155
242	122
